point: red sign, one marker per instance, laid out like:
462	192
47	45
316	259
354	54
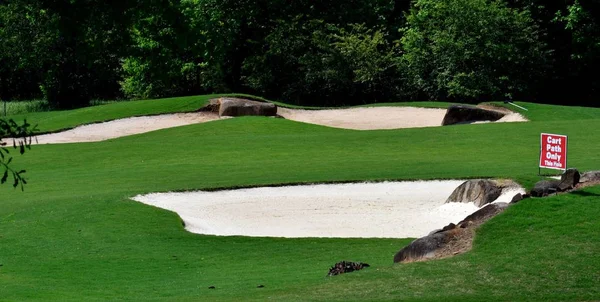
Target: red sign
553	153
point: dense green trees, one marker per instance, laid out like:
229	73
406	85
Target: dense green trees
303	52
70	50
582	21
472	49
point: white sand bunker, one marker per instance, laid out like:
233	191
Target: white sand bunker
368	118
371	118
124	127
367	210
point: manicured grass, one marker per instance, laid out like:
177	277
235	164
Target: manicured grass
74	234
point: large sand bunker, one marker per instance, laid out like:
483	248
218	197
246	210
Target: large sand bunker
368	118
368	210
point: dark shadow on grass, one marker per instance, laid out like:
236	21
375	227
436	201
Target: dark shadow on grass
585	194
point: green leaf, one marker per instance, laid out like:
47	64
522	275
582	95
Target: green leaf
4	177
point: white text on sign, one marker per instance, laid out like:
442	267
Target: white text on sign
553	153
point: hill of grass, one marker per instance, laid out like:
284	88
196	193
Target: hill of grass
75	235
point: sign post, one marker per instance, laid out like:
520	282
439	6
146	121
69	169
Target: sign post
553	151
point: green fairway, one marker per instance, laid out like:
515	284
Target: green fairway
75	235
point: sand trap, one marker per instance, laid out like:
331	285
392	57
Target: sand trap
371	118
382	210
368	118
124	127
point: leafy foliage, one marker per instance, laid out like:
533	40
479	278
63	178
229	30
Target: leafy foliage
582	21
334	65
303	52
70	49
21	136
471	49
164	60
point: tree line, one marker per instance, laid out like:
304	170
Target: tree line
323	53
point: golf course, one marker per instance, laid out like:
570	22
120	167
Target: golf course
75	234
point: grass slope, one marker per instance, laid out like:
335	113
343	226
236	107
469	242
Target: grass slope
74	234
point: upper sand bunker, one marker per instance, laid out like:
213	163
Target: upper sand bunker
366	210
366	118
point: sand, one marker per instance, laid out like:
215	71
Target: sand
368	118
372	118
366	210
124	127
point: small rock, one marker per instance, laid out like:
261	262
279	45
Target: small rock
478	191
449	227
260	286
516	198
241	107
544	188
211	287
484	214
346	267
423	247
590	176
569	179
435	232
